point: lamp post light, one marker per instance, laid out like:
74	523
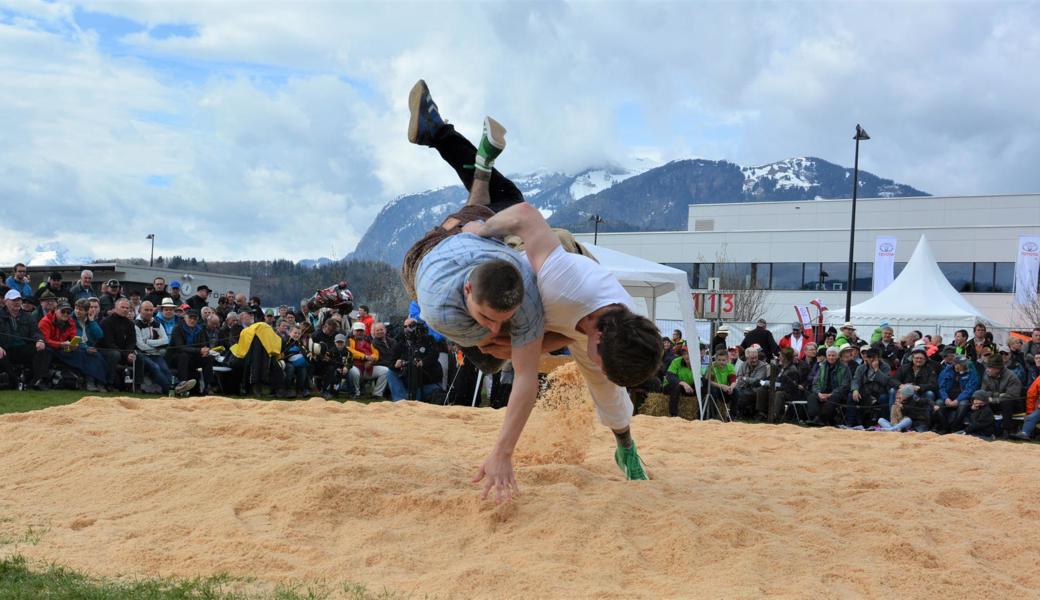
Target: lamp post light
151	257
596	220
861	134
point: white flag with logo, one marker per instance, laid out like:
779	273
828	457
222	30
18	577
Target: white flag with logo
1026	269
884	263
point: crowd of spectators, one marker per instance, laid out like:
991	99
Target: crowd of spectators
917	383
156	340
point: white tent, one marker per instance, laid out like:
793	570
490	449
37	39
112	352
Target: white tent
649	281
921	294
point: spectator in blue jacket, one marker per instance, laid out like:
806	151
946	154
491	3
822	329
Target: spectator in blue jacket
956	392
20	281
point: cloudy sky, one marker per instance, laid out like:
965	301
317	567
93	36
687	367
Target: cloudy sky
238	130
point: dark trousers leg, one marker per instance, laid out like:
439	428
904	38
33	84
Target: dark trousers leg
30	358
459	152
673	389
1008	408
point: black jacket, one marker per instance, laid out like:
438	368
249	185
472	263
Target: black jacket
926	378
197	303
155	298
423	348
982	422
119	334
385	346
764	338
17	331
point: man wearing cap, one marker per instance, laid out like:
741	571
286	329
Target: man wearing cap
365	368
337	357
982	423
20	281
59	332
764	338
721	335
1005	391
189	349
113	292
82	288
53	284
921	374
871	383
888	349
201	298
956	392
175	292
794	340
167	315
848	335
48	302
21	344
830	389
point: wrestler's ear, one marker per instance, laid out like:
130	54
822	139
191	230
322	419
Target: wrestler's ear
467	288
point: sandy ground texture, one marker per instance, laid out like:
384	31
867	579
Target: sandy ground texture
380	494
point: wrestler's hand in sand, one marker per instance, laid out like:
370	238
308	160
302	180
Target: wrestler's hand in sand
497	473
497	469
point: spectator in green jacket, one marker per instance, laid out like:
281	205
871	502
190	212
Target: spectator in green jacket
679	380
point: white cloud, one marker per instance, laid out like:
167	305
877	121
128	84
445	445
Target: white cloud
279	130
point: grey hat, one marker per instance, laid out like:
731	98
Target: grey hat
341	338
960	359
906	391
980	395
948	350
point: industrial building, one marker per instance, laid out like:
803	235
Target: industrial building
798	250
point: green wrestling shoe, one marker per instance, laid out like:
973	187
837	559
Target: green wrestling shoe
630	463
492	143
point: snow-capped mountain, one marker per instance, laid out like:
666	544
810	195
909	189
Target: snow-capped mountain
642	197
407	218
658	199
48	253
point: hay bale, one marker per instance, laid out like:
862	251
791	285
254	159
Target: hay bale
656	405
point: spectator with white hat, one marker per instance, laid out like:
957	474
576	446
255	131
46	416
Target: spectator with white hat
21	344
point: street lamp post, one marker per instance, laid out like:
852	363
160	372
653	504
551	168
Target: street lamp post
151	257
861	134
596	220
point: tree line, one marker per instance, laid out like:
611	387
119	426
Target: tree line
285	282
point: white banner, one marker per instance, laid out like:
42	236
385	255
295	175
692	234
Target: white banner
803	316
884	263
1026	268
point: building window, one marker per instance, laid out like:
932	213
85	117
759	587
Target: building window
686	268
864	281
959	275
734	276
897	268
811	277
786	276
1004	277
701	273
984	277
760	275
836	276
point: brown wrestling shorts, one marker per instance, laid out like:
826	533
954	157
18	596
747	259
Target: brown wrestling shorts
415	254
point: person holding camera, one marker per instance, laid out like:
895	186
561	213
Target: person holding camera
416	373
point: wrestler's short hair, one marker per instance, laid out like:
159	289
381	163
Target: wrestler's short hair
630	347
497	284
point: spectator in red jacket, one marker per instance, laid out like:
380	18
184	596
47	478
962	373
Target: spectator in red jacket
795	340
59	334
366	318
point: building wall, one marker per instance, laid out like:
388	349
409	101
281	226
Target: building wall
980	229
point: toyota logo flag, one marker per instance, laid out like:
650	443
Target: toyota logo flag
1027	269
884	263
